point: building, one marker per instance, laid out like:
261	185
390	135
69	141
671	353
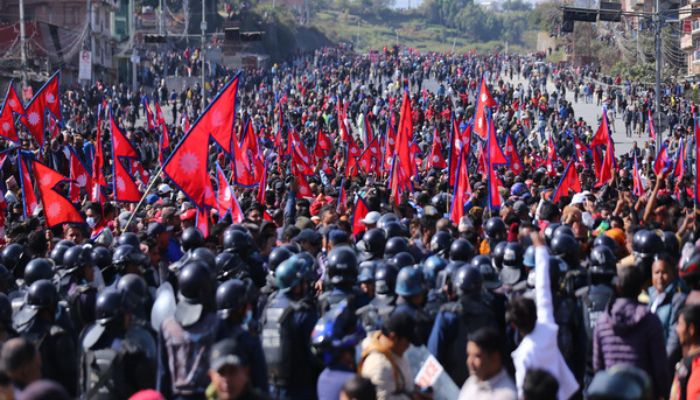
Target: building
690	37
57	30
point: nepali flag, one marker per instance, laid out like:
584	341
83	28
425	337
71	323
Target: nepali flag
262	186
352	154
398	182
580	149
608	166
390	144
369	159
304	189
637	186
662	162
185	125
300	163
149	113
602	135
11	106
28	194
512	155
462	189
652	130
202	221
249	141
57	209
697	161
679	168
342	126
79	176
551	157
436	160
125	188
160	119
480	118
359	213
323	146
187	167
404	137
98	177
225	198
54	128
47	99
569	181
459	139
494	157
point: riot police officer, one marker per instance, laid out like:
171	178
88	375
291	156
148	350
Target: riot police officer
238	241
77	280
456	320
411	289
37	322
384	299
342	274
645	245
372	245
116	359
187	334
233	311
287	323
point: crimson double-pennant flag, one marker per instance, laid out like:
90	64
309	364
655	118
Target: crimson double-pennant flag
47	99
436	160
98	177
480	117
637	186
662	161
150	120
323	145
57	209
516	165
359	213
187	167
125	188
226	199
462	188
652	130
494	157
79	177
28	194
11	108
569	181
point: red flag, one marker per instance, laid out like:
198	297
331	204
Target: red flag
54	128
481	159
436	160
323	145
185	122
202	221
580	148
390	145
662	161
512	155
249	141
352	153
606	170
697	161
458	141
602	135
11	106
652	131
28	194
359	213
369	159
46	99
300	163
569	181
342	127
484	100
342	199
160	120
462	189
637	186
679	168
404	137
79	177
187	165
304	190
149	114
98	178
226	199
125	189
495	157
262	186
57	209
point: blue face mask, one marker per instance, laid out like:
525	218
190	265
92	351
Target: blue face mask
91	222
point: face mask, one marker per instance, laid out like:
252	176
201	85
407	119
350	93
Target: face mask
90	221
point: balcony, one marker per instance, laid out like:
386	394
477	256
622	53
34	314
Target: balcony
684	12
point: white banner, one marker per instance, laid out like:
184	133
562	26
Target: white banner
85	65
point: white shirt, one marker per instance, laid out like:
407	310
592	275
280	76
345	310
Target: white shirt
539	349
499	387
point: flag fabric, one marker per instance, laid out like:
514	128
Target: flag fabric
404	137
226	200
202	221
697	161
462	189
607	167
602	135
637	186
359	213
495	157
662	161
262	186
125	188
159	118
455	148
47	99
163	143
79	177
150	121
436	160
187	166
98	178
323	145
398	182
352	153
304	189
480	118
652	130
569	181
511	151
185	122
369	160
580	148
679	168
57	209
28	194
11	107
389	146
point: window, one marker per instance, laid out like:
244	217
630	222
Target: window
696	55
696	25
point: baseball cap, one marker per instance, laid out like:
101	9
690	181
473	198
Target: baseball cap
164	188
227	352
371	218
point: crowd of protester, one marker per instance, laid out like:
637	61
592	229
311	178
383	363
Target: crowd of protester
594	294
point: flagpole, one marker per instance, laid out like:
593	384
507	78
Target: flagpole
145	193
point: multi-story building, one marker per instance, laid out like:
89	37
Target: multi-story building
690	36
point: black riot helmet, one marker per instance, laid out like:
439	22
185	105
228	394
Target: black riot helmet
108	306
395	246
128	238
206	256
385	279
277	256
374	241
513	255
126	255
342	265
467	280
549	232
36	269
239	242
607	241
566	247
135	293
101	257
77	257
495	229
191	239
59	250
230	297
497	254
403	259
196	289
42	295
602	261
15	257
440	243
394	229
461	250
646	243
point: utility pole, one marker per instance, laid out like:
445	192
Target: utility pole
203	25
160	19
22	45
657	42
134	52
